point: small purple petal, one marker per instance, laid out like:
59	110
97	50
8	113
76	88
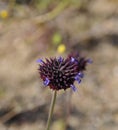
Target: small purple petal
79	81
72	59
46	82
39	61
89	61
73	88
77	78
60	59
80	74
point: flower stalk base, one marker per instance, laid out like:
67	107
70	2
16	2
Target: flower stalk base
51	109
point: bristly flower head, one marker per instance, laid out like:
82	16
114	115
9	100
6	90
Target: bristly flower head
60	73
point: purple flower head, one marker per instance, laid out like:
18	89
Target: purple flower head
60	73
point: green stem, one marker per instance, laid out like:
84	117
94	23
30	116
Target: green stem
54	13
51	109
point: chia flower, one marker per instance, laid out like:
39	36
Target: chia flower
60	73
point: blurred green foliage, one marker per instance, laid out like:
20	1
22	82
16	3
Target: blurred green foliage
46	4
43	4
56	38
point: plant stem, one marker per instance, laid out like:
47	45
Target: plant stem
51	109
54	13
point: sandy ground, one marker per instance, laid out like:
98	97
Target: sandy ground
24	102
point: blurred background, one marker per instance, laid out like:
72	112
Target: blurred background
32	29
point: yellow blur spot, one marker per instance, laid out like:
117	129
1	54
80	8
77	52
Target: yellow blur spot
4	14
61	48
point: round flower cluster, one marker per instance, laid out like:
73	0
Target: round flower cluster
60	73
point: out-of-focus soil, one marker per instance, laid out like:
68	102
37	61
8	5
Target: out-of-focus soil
24	102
